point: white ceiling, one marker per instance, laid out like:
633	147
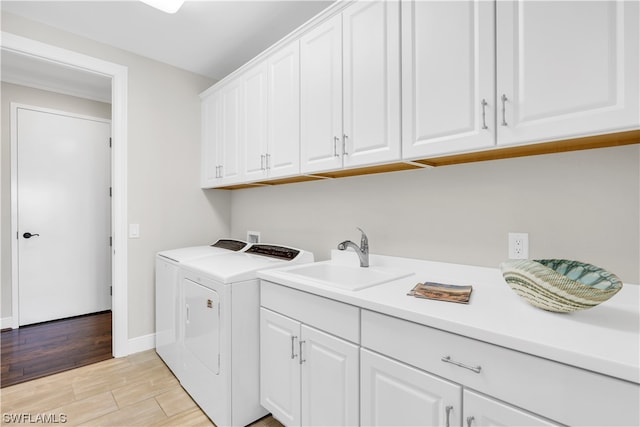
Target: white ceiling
211	38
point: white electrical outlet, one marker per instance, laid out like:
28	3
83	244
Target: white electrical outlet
518	245
253	236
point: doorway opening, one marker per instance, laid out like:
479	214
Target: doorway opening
118	76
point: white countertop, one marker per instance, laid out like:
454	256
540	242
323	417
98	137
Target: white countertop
604	339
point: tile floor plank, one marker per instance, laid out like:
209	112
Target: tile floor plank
138	390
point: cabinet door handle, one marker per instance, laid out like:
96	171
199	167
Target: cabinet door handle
268	158
262	162
475	369
293	355
448	410
504	100
344	144
484	115
301	359
335	146
470	420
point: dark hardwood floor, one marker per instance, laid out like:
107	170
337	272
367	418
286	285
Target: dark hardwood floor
43	349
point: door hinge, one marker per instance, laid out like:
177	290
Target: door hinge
110	142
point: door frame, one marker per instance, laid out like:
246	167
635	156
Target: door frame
119	262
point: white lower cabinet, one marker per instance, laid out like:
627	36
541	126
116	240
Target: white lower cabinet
395	394
482	411
307	377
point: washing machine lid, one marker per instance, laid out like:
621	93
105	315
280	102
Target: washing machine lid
222	246
241	266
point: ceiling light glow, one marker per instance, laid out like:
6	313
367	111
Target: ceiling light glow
169	6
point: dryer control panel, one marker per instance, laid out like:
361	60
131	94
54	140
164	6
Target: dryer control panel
273	251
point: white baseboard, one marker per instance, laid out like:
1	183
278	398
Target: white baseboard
6	322
143	343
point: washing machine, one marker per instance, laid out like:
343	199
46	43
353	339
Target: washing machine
168	305
221	330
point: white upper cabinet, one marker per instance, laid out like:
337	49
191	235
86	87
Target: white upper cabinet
254	121
209	157
350	88
283	155
271	121
221	134
566	69
321	97
371	75
448	59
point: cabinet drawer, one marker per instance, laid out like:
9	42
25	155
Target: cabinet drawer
342	320
557	391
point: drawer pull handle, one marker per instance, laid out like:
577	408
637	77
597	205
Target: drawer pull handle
301	359
448	410
484	104
470	420
293	355
475	369
504	100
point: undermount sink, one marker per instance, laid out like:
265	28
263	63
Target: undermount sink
352	278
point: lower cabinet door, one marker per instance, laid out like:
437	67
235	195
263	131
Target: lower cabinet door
481	411
280	367
395	394
329	380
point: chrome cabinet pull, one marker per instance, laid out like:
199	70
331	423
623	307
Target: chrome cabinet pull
470	420
504	100
484	117
268	158
293	355
262	162
475	369
335	146
448	410
301	359
344	144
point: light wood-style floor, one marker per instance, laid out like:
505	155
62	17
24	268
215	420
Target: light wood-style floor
138	390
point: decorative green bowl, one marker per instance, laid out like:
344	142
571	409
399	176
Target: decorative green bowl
560	285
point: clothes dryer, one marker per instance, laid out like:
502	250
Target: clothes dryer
221	321
168	305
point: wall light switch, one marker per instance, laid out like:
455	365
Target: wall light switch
134	231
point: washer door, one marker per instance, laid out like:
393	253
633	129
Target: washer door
202	324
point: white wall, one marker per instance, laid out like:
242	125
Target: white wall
163	164
583	205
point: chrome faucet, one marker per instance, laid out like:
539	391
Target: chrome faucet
362	251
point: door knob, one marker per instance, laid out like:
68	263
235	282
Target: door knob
28	235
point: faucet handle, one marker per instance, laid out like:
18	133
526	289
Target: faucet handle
364	240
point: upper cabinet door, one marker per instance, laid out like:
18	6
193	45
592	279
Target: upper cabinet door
371	72
254	122
209	158
229	133
283	156
448	57
321	97
566	68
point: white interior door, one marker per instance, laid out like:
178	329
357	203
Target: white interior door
63	202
